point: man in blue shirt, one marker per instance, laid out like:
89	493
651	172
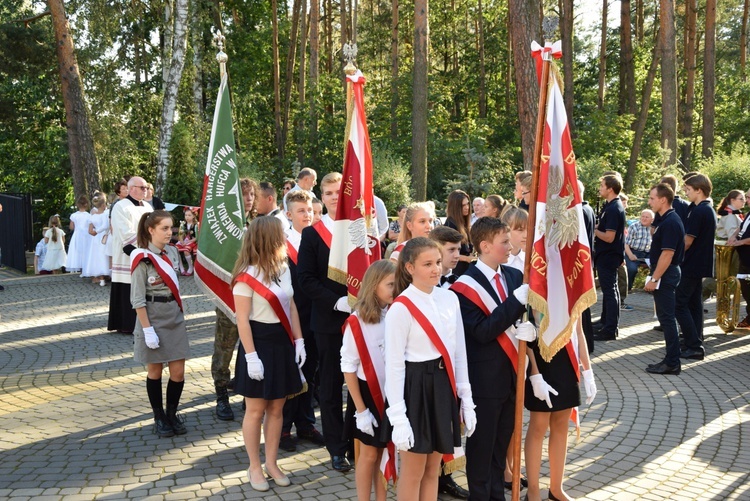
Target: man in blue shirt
667	251
700	227
609	251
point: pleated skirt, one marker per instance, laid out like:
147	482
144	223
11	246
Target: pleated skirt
350	421
280	373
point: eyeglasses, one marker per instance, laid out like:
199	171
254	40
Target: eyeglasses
144	188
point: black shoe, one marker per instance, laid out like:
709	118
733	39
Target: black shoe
552	497
602	335
449	486
509	485
658	328
176	421
287	442
163	428
651	366
223	409
340	463
663	368
698	354
312	435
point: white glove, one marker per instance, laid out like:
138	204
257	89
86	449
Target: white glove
590	385
300	355
254	366
343	305
468	416
152	340
541	389
526	332
522	294
366	422
402	435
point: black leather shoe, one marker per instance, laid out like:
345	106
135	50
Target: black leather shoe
340	463
312	435
699	354
176	421
287	442
663	368
651	366
223	409
601	335
449	486
509	485
552	497
658	328
163	428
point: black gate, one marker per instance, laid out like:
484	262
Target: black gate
16	233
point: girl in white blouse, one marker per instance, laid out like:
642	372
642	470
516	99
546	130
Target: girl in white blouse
271	344
363	365
425	364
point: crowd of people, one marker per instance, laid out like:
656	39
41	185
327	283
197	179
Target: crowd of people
425	350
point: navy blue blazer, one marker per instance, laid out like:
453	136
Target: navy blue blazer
491	372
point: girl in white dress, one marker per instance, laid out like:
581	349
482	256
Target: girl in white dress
97	262
363	365
56	256
81	240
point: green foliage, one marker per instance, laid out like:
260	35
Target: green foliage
184	180
728	172
484	174
391	179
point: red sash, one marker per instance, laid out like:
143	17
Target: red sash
373	385
159	262
291	252
267	294
429	329
320	227
503	339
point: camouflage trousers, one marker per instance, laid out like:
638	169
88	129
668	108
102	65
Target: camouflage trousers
225	341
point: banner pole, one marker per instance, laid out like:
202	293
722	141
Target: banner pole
530	227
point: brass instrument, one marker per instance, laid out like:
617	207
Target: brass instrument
728	294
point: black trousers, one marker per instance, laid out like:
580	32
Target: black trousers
487	446
299	410
330	391
688	310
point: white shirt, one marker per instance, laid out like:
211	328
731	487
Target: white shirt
260	309
397	251
406	341
328	222
382	214
517	261
490	274
374	335
294	237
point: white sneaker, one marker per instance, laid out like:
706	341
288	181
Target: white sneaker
102	283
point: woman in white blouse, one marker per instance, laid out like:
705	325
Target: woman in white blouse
271	345
425	364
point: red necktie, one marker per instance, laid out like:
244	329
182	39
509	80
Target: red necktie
500	288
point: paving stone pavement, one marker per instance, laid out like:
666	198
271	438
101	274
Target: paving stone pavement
75	421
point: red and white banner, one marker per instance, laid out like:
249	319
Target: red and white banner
355	243
561	279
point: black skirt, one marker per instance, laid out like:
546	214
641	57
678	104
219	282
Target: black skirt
350	421
121	312
431	408
560	375
280	372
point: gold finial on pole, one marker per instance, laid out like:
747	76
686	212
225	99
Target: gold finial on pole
221	56
350	55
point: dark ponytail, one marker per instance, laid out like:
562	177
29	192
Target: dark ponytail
150	220
413	248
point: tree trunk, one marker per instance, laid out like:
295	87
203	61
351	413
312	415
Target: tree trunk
289	78
687	104
301	86
344	38
603	58
566	30
709	79
166	48
639	19
640	124
276	79
329	35
394	70
314	66
627	68
668	79
83	163
524	27
508	66
171	86
196	31
419	99
482	70
743	42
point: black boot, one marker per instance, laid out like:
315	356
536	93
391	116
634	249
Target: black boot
163	428
223	409
177	422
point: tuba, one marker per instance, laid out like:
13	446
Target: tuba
728	294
